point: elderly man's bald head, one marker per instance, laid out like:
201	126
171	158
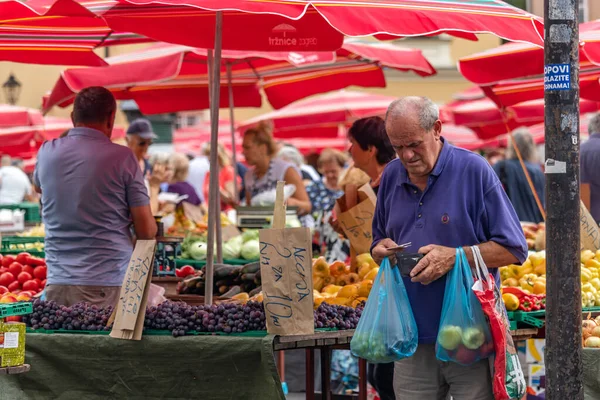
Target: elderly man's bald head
425	110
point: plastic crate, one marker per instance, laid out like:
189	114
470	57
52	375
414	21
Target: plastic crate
180	262
13	309
9	243
32	211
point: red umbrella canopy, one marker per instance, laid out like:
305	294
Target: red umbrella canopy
488	121
511	92
171	78
525	60
322	116
304	24
35	32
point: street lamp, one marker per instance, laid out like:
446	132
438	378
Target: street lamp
12	89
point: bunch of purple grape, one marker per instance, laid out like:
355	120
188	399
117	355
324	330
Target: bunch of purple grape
335	316
80	317
181	318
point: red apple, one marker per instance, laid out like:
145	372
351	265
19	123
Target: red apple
14	286
13	318
28	269
6	279
15	268
30	285
466	356
24	277
3	289
22	258
7	260
40	272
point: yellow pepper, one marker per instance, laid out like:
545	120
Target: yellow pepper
598	255
540	269
539	286
586	275
506	273
597	299
510	282
595	283
588	288
587	255
522	270
527	282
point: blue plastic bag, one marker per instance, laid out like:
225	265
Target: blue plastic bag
387	330
464	335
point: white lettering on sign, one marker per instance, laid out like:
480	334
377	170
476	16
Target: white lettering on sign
557	77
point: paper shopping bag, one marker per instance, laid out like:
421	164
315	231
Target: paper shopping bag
356	216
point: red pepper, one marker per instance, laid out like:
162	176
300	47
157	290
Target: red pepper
525	304
516	291
536	303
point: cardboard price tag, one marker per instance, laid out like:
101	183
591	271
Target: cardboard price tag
286	273
130	311
590	232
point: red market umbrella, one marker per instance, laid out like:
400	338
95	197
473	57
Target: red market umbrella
511	92
171	78
36	32
488	120
525	60
322	116
15	116
312	25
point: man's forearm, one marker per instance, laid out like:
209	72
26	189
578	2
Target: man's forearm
493	254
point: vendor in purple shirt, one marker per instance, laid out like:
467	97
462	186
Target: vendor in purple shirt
439	197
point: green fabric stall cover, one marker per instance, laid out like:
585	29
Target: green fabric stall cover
75	366
591	373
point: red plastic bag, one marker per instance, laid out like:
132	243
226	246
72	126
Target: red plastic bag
507	376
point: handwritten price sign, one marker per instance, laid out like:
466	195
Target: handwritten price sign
286	273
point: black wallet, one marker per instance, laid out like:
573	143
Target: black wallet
407	261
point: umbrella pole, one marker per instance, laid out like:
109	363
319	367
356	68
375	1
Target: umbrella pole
232	122
214	90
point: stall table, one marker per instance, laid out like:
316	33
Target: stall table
75	366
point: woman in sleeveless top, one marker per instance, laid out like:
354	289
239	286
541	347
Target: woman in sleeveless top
259	149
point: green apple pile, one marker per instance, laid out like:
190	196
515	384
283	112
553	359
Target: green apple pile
464	346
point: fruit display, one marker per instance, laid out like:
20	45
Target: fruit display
535	234
590	332
244	246
340	284
180	318
21	276
229	280
183	226
527	282
33	246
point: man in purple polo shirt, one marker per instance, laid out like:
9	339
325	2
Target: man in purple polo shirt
439	197
590	165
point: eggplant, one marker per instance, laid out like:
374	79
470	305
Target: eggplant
251	268
248	277
256	291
